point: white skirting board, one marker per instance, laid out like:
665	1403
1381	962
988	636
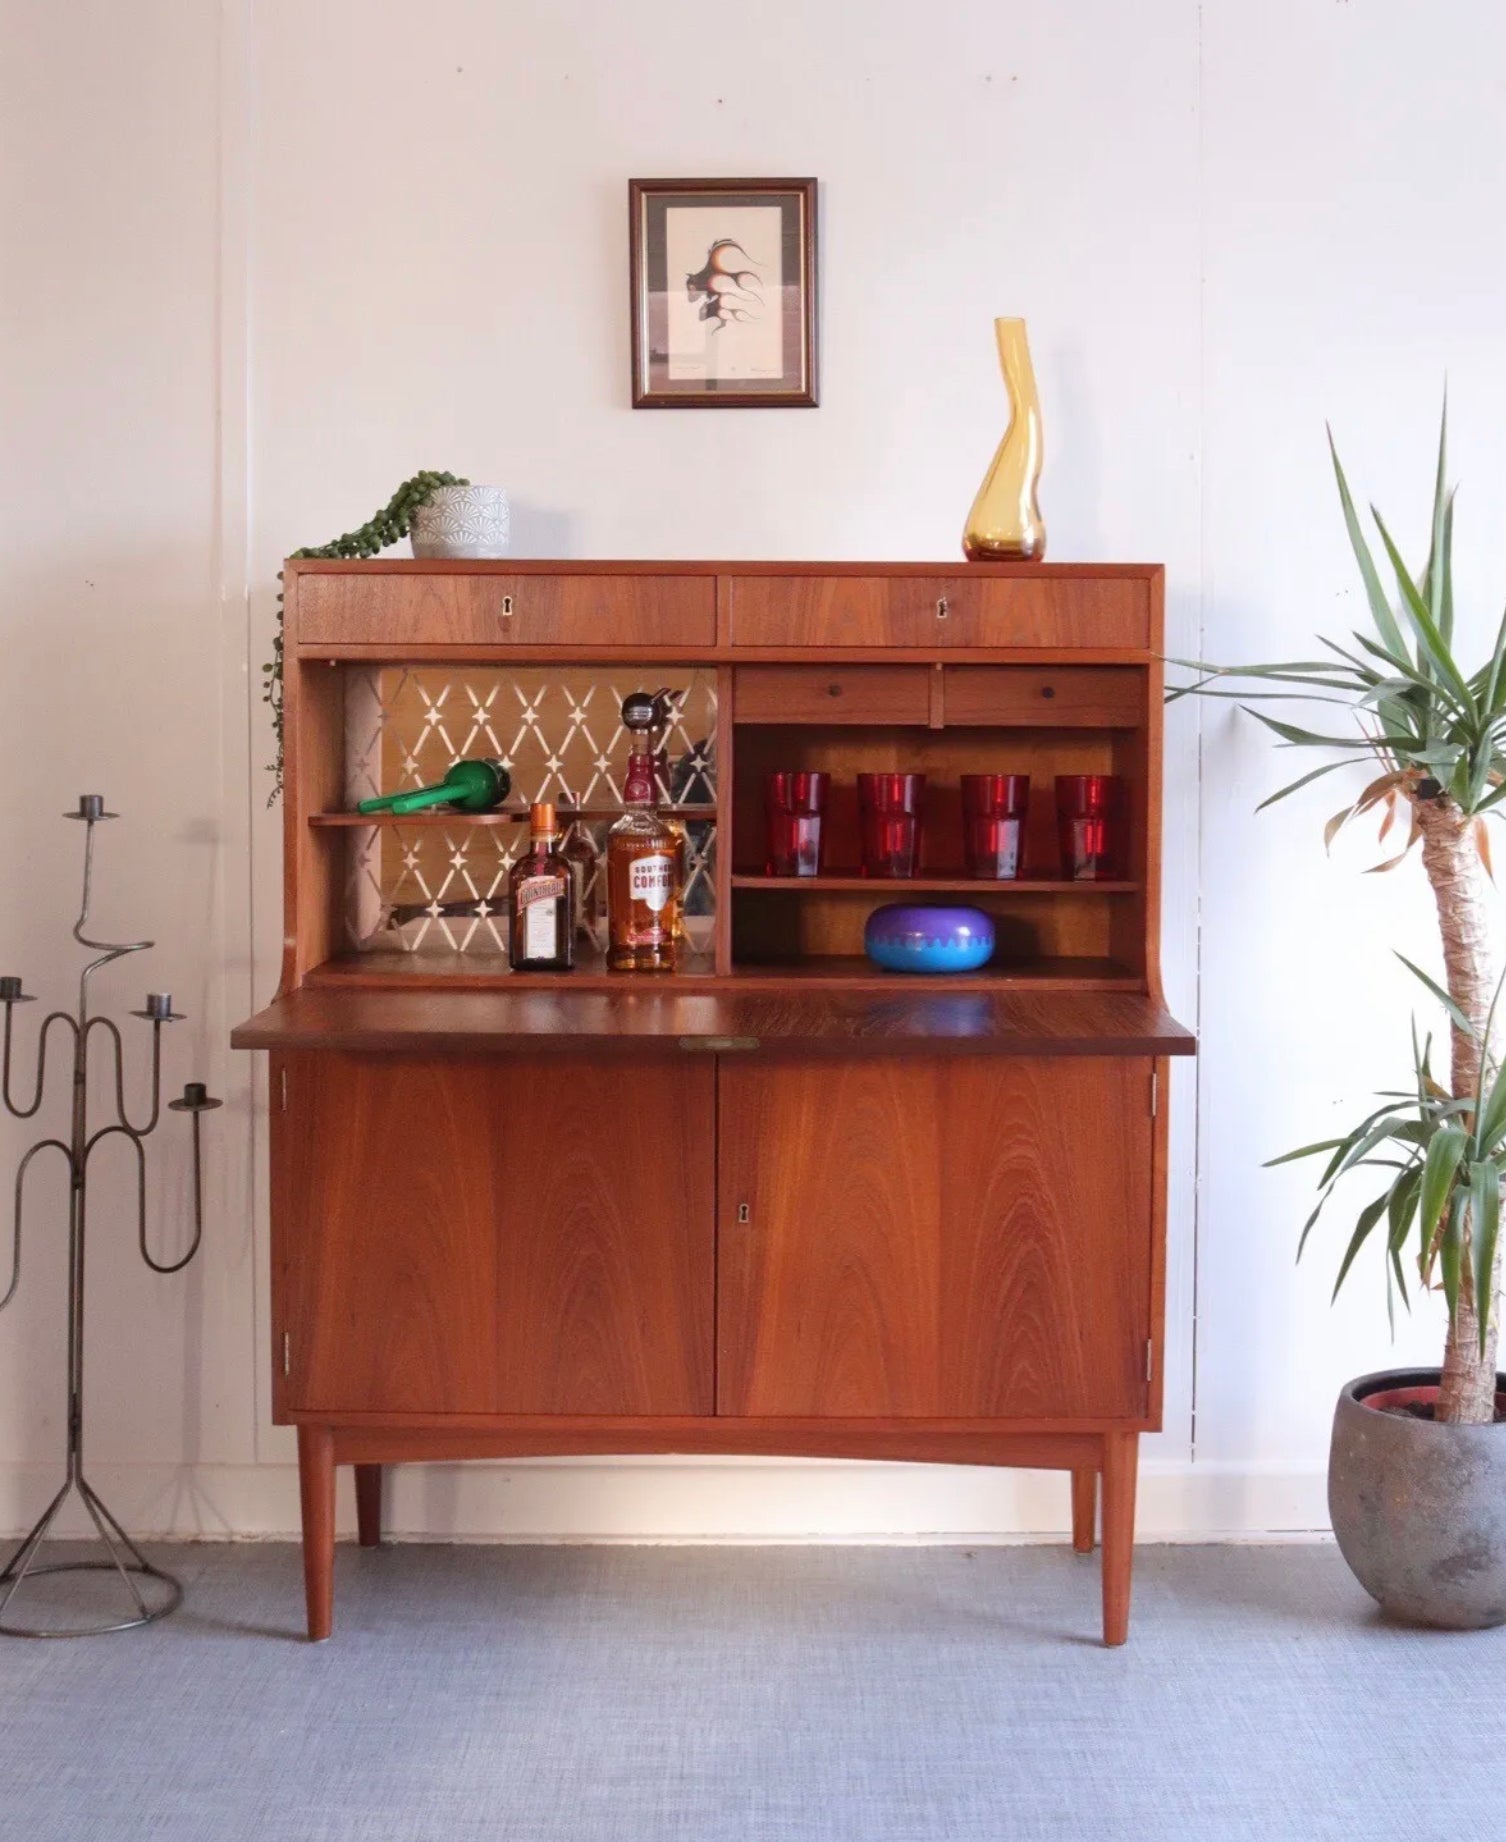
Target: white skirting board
687	1500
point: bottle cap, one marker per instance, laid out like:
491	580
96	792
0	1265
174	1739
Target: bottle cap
541	817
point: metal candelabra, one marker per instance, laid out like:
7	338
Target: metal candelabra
123	1556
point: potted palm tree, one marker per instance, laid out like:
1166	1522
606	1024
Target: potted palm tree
1417	1465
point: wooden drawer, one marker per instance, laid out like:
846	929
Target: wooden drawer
941	610
1059	611
842	611
1045	696
493	610
832	693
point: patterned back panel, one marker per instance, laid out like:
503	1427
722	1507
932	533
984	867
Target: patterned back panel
442	886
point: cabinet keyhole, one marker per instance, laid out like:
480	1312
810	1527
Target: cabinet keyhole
744	1213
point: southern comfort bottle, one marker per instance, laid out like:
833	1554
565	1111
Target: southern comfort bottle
644	858
541	901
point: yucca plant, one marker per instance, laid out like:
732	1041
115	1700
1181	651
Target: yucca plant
1436	733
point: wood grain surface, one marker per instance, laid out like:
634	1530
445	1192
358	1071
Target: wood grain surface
606	1270
943	610
781	1202
447	1242
385	1247
316	1493
639	1022
833	694
500	609
930	1237
398	565
386	1439
1077	697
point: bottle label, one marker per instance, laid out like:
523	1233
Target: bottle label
538	898
651	880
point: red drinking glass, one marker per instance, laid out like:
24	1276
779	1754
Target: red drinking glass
891	809
993	823
1091	827
793	804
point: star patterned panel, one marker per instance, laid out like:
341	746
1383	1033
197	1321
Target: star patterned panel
441	885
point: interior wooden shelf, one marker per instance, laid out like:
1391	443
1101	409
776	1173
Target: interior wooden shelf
860	974
897	887
387	967
387	970
504	816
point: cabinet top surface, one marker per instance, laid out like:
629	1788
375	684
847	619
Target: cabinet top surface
711	566
640	1021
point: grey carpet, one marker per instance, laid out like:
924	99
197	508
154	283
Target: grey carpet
749	1695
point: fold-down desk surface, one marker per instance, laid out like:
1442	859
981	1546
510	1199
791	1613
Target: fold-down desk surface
643	1022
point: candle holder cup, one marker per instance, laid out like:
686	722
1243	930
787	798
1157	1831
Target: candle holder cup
1091	826
892	811
794	805
993	824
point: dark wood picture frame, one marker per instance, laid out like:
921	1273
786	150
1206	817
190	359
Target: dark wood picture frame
653	388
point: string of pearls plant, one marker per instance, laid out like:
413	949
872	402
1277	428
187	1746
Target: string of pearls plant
385	527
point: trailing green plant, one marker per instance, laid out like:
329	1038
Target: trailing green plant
385	527
1436	731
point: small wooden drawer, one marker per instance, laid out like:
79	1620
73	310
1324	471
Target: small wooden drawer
500	610
843	611
831	694
1044	696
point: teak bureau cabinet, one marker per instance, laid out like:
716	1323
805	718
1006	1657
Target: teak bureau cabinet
778	1201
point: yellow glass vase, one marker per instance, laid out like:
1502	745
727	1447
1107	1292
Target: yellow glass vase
1005	521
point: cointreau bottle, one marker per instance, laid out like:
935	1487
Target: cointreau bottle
644	859
541	901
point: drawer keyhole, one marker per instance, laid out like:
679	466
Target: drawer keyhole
1048	690
507	607
943	607
834	690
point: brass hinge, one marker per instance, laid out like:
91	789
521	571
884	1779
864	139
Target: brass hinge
287	1353
1150	1358
282	1086
1155	1091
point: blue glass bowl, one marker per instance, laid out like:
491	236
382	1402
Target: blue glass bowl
902	937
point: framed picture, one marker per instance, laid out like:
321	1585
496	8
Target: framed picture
724	293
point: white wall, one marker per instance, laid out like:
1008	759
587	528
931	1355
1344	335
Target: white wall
263	258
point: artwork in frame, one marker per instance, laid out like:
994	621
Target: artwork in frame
724	293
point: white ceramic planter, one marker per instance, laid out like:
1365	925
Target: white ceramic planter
462	521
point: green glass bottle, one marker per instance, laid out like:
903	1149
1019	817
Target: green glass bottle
476	785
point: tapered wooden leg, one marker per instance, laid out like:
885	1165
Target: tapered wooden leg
1084	1510
1121	1452
369	1505
316	1484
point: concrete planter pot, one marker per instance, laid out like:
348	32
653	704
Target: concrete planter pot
1419	1509
462	521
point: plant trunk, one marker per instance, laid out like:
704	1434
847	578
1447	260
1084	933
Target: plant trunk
1460	888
